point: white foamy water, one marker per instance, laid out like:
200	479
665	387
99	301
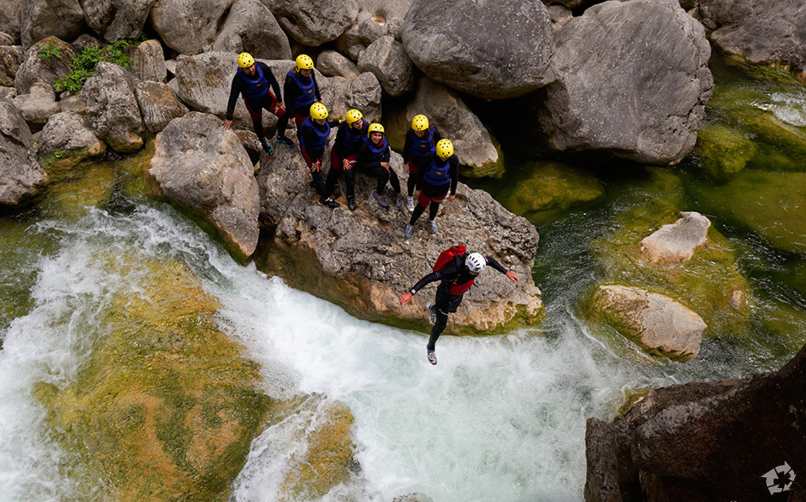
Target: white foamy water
789	107
500	418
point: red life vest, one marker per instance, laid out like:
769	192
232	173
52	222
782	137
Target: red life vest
448	256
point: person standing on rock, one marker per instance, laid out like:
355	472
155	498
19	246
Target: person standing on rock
457	272
300	90
313	136
344	154
256	83
373	157
437	178
418	151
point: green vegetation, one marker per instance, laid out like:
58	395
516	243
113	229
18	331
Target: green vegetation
82	67
723	151
48	52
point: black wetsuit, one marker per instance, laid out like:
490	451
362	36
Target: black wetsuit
370	157
259	91
446	303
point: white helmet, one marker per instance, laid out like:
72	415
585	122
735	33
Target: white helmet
475	263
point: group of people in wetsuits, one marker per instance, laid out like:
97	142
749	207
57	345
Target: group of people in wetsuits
430	159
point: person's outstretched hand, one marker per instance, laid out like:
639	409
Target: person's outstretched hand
405	297
512	276
227	124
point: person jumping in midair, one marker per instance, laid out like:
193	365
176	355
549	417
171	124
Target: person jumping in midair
457	271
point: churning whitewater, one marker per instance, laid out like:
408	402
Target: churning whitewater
500	418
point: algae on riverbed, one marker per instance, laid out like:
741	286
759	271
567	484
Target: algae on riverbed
165	406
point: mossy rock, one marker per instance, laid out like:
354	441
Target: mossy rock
770	204
166	406
723	151
328	459
710	283
549	189
89	185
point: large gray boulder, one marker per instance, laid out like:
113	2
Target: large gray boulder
359	259
10	19
333	64
203	169
43	18
38	105
763	31
387	60
148	61
633	79
65	141
363	92
251	27
489	49
658	323
189	26
112	110
21	176
314	22
475	147
158	104
116	19
11	57
676	242
47	60
8	93
682	442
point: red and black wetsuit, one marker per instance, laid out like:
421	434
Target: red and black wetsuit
456	280
436	179
348	143
259	91
417	153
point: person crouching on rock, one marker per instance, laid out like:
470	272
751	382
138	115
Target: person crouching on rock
457	271
313	137
419	149
344	154
256	82
374	160
300	89
438	177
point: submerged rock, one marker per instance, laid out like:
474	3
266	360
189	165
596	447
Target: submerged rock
165	405
655	321
359	259
673	444
676	242
203	168
769	203
65	141
723	151
550	189
21	176
493	50
633	79
112	111
478	152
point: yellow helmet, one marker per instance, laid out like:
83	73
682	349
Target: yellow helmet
304	62
375	127
419	123
352	116
444	149
318	111
245	60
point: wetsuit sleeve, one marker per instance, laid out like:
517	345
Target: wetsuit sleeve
425	281
316	86
234	92
437	136
275	85
494	263
386	154
289	93
454	174
303	133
